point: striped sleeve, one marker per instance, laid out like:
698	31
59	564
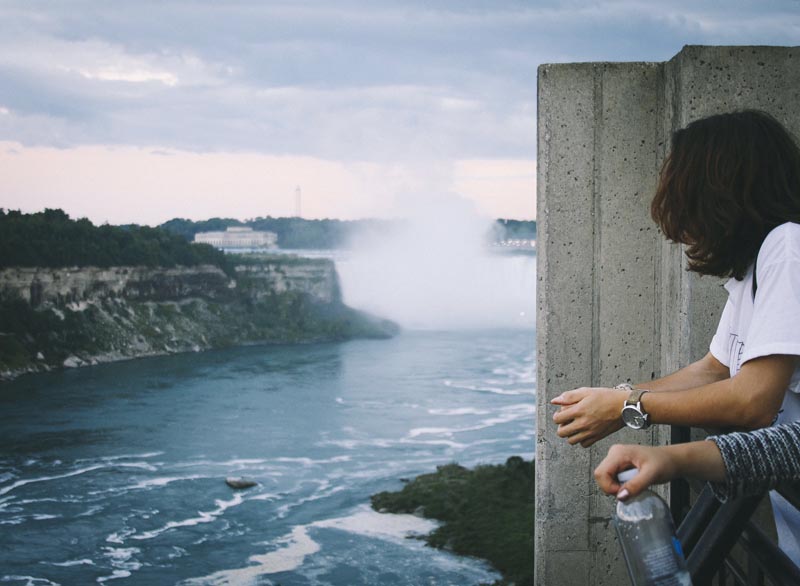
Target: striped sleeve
757	461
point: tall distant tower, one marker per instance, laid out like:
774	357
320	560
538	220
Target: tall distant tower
298	203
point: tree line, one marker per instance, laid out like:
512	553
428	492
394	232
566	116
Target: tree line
52	239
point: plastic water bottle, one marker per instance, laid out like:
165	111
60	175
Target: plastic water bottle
645	530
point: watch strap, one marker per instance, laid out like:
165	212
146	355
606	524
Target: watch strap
635	397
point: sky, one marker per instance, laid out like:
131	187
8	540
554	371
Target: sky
145	110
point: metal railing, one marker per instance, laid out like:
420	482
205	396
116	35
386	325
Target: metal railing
710	530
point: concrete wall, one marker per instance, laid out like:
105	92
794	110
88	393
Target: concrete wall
614	299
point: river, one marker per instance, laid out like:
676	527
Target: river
116	472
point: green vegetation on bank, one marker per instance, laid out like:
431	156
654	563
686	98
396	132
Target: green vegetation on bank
52	239
487	513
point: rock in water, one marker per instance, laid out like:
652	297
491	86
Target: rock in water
240	482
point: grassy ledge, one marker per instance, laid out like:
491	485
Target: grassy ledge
487	512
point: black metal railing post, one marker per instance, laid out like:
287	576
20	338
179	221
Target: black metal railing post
711	529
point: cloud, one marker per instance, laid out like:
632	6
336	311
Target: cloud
350	80
130	75
385	82
355	81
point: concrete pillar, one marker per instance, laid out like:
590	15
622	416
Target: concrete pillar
614	299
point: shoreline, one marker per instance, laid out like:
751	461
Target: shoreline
7	376
73	317
486	512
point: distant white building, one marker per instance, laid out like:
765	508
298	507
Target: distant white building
238	237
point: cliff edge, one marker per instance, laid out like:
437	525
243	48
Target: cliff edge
67	317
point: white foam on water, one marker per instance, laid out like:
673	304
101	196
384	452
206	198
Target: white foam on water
121	457
498	381
272	465
27	481
141	465
177	552
321	493
511	413
119	537
233	463
448	443
265	497
432	431
121	562
294	547
115	575
353	444
241	462
120	555
33	501
292	551
29	580
459	411
147	484
298	545
368	522
507	415
525	373
308	462
162	481
70	563
486	389
203	517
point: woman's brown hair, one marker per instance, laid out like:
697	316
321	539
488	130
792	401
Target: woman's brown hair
728	181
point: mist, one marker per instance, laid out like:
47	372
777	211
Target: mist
434	272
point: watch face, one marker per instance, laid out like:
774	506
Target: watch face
632	417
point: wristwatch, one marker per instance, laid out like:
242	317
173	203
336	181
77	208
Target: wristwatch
633	414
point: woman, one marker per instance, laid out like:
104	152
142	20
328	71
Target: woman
730	192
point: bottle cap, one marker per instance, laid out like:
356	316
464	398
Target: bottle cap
626	475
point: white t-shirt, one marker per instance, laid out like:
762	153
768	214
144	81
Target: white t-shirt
769	325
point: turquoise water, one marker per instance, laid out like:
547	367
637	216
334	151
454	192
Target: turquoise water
116	472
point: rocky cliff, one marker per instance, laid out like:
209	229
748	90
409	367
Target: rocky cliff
53	318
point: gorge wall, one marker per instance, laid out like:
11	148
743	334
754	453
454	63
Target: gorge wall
67	317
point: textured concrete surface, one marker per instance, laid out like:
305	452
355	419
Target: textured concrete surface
614	299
